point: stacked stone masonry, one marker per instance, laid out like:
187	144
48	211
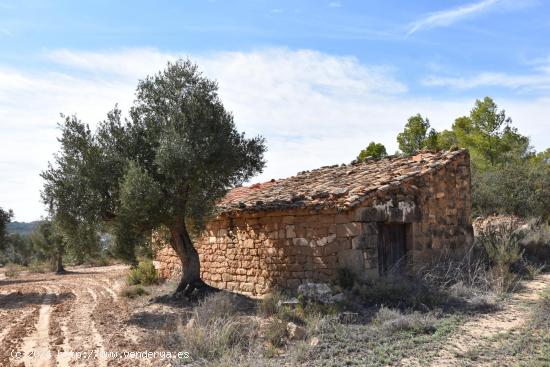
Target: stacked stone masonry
252	251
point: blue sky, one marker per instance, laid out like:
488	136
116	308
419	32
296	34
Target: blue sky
319	79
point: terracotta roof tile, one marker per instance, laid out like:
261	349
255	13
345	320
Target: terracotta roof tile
340	186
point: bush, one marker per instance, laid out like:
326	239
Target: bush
144	274
502	246
133	291
521	188
536	243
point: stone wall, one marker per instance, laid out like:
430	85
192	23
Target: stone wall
445	199
251	253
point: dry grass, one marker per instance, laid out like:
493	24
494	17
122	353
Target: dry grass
133	291
220	334
268	304
390	321
13	270
275	332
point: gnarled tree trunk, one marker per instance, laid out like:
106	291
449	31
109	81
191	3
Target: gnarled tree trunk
57	261
190	263
59	269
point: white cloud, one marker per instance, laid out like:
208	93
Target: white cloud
314	109
450	16
335	4
536	80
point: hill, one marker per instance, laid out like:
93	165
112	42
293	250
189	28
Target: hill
22	227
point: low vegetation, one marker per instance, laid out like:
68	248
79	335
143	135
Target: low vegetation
144	273
133	291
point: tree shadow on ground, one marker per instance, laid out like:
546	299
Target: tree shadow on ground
244	303
50	276
183	307
20	300
154	321
7	282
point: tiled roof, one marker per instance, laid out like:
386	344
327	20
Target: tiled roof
338	186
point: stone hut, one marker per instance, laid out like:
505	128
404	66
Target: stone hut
371	217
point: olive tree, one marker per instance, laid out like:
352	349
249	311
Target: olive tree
373	150
166	166
47	239
5	218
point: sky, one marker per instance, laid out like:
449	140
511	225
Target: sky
318	79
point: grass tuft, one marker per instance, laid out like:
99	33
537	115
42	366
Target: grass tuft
144	274
133	291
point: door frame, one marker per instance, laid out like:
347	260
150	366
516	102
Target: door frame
407	238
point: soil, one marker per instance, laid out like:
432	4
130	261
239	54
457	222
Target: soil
68	320
482	331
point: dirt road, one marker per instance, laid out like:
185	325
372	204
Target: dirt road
481	331
67	320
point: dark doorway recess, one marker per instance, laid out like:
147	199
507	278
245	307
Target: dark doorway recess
392	247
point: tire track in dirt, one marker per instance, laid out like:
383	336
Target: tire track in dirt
81	340
15	333
36	346
481	330
111	317
58	326
61	316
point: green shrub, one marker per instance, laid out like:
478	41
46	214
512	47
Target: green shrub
144	274
133	291
518	187
503	248
502	245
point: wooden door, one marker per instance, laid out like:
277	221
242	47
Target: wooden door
392	247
